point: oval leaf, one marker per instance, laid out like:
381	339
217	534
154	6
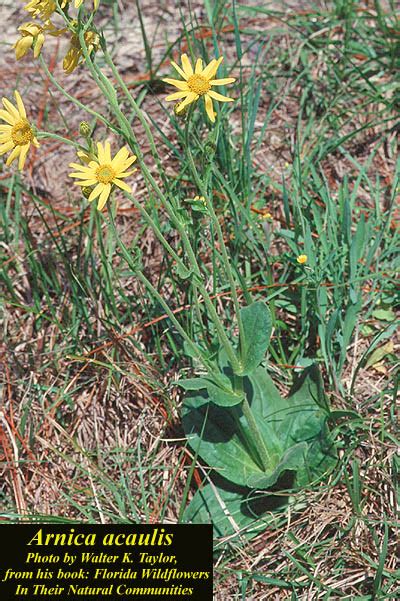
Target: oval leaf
257	326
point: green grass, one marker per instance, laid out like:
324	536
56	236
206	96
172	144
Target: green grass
312	140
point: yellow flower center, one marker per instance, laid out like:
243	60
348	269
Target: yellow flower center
105	174
198	84
21	133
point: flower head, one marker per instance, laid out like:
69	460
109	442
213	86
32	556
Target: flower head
75	52
198	82
103	172
302	259
17	135
43	8
33	36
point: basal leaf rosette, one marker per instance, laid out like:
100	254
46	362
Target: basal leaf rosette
293	429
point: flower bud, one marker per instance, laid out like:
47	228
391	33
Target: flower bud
86	191
180	113
84	129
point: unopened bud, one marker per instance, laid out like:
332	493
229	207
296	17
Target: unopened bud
180	112
85	130
209	148
86	191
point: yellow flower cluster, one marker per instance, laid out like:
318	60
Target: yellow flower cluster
33	33
99	173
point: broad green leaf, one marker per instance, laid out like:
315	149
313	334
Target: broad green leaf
292	460
234	510
193	383
257	326
220	393
223	397
290	427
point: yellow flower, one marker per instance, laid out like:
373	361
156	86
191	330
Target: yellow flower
103	172
75	53
200	199
43	8
18	134
301	259
33	36
198	82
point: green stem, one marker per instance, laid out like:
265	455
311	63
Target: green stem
224	254
256	434
75	100
104	85
187	245
136	108
46	134
172	317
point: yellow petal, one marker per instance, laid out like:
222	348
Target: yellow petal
81	175
129	161
20	104
104	197
6	147
96	192
11	108
29	29
181	73
87	182
126	173
181	85
83	168
101	153
120	157
7	117
209	108
177	95
191	97
187	67
199	66
222	82
219	97
15	154
5	128
22	156
122	185
22	46
212	67
107	152
38	45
